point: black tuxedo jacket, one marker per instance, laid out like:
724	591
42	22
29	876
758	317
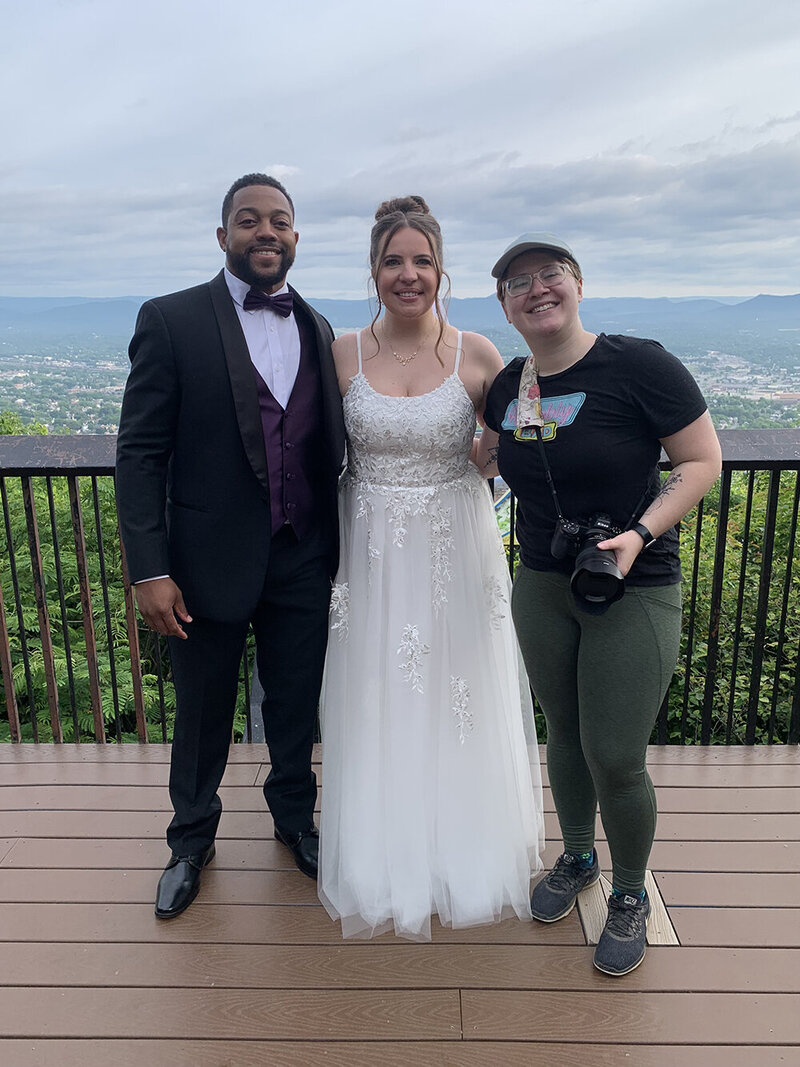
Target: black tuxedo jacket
192	482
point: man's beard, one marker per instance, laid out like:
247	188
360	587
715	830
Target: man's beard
269	276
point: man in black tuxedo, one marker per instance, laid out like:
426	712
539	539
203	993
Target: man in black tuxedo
230	445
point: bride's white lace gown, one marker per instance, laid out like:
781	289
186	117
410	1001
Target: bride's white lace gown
431	797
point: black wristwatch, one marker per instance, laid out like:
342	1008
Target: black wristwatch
644	533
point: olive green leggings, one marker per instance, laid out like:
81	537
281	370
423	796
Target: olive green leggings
600	680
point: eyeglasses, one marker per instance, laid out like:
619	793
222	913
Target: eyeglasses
552	274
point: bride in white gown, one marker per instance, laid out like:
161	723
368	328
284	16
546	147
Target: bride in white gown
431	792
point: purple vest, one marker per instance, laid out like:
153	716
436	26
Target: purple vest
294	442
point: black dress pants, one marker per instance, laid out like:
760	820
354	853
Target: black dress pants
291	626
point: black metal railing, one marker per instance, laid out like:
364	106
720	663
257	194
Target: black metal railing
76	666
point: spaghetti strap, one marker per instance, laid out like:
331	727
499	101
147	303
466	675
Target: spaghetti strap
458	353
358	347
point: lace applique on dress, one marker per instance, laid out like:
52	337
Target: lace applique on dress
413	648
495	599
365	509
441	549
340	609
405	452
365	506
401	505
373	553
408	442
459	699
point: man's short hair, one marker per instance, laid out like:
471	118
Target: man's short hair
243	183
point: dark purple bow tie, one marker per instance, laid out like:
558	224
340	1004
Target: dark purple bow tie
281	304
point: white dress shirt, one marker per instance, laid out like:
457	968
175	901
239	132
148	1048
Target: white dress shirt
272	340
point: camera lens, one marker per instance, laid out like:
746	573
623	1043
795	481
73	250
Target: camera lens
597	581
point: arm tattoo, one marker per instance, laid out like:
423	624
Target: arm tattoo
492	456
672	483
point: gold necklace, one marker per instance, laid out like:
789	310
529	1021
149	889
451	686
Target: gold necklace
404	360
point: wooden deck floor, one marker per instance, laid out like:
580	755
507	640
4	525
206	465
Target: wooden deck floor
255	973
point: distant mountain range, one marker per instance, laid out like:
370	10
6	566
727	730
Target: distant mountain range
73	318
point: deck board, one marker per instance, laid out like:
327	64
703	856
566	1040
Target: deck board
255	972
390	965
239	924
136	1053
246	825
706	889
658	755
21	885
244	798
616	1016
217	1014
738	926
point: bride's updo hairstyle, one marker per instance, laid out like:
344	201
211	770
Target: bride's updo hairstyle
391	216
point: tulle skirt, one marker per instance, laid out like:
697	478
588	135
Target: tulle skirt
431	786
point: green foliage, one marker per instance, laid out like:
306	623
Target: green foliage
730	411
753	679
66	624
11	423
736	695
742	689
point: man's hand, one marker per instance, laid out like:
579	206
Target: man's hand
161	604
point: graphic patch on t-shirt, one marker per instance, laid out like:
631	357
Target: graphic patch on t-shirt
557	411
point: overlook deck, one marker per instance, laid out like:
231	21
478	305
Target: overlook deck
255	972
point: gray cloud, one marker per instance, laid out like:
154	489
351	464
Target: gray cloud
661	140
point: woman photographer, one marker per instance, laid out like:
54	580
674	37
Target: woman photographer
596	600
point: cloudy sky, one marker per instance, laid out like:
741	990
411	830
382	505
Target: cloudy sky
660	139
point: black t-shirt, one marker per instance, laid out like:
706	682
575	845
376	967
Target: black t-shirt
604	418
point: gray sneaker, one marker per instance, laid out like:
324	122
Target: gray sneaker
623	942
555	896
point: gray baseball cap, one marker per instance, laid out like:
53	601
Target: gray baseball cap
529	242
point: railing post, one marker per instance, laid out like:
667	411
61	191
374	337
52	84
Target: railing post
23	640
512	529
8	674
794	722
687	678
745	539
39	589
132	626
787	589
715	611
86	609
63	605
763	605
101	558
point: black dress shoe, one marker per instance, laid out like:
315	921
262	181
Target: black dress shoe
304	847
180	882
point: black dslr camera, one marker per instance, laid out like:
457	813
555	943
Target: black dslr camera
596	581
